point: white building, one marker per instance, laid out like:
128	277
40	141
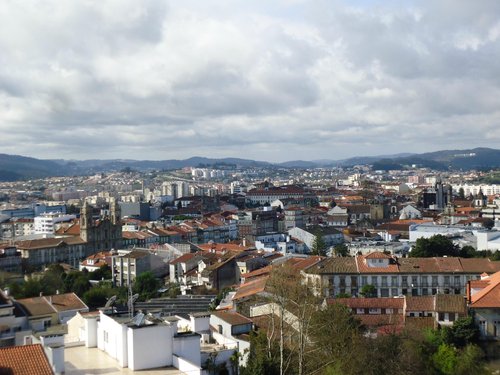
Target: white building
46	223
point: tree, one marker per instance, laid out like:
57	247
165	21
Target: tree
96	297
341	250
488	223
463	332
368	291
318	245
461	193
467	251
435	246
334	332
146	284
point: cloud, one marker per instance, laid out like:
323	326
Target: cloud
279	80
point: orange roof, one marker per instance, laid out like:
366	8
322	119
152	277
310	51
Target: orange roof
257	273
367	303
489	297
251	288
220	247
24	360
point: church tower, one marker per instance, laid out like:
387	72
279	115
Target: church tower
86	222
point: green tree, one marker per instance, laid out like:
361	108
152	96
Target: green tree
461	193
464	331
488	223
335	332
445	359
467	252
146	284
318	245
97	297
368	291
435	246
341	250
263	356
102	273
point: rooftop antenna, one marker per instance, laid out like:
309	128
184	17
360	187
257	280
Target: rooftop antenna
131	302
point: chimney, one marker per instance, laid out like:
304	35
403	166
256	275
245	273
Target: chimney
244	242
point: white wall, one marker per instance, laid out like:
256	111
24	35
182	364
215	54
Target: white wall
188	347
116	342
141	354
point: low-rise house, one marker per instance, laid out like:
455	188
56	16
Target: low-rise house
96	261
330	236
46	311
484	300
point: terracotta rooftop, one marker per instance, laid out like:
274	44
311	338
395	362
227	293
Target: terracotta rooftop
24	360
366	303
47	305
251	288
231	317
451	303
183	258
419	303
489	297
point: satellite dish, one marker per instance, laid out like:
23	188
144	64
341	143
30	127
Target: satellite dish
110	301
139	319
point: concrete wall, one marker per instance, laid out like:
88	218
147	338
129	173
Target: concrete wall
187	367
188	347
141	354
112	338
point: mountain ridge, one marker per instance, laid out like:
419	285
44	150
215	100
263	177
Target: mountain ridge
17	167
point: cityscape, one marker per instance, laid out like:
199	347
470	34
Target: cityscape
246	188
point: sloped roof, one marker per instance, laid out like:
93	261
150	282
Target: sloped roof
232	317
451	303
370	303
420	303
334	265
251	288
24	360
489	297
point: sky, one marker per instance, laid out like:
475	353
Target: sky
267	80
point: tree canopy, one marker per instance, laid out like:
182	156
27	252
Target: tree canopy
435	246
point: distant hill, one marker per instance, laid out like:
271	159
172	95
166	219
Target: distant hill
14	167
477	158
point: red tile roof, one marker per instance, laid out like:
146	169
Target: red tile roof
24	360
232	317
251	288
367	303
489	297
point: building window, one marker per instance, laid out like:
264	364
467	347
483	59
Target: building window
219	328
394	280
434	281
360	311
374	311
496	328
441	317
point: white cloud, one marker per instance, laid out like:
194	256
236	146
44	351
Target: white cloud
265	80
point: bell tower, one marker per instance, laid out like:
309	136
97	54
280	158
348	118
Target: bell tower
86	223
